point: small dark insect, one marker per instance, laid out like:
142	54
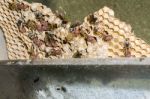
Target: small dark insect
58	88
31	25
36	80
95	29
142	58
22	29
77	55
76	31
43	26
75	28
63	89
91	39
13	6
127	44
20	22
64	21
84	35
39	15
50	41
106	37
18	6
127	48
61	16
56	52
37	41
31	35
22	6
127	53
77	23
52	27
64	41
91	19
32	54
47	55
21	26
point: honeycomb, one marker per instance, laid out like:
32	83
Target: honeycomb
106	37
121	31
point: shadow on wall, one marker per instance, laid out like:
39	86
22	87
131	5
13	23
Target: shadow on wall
3	49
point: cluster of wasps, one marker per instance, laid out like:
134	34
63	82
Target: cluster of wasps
17	6
104	34
107	37
75	30
32	25
39	25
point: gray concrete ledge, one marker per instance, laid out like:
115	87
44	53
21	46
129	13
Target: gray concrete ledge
82	79
80	62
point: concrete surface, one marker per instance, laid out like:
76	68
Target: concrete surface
67	79
80	62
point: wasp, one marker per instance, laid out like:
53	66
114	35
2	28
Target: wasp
39	15
21	25
77	55
73	33
31	25
18	6
77	31
32	53
13	6
61	17
22	6
42	26
50	41
77	23
52	26
91	19
91	39
56	52
37	41
127	48
106	36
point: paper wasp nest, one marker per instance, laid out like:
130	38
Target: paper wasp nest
34	31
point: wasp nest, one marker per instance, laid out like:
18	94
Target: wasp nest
33	31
